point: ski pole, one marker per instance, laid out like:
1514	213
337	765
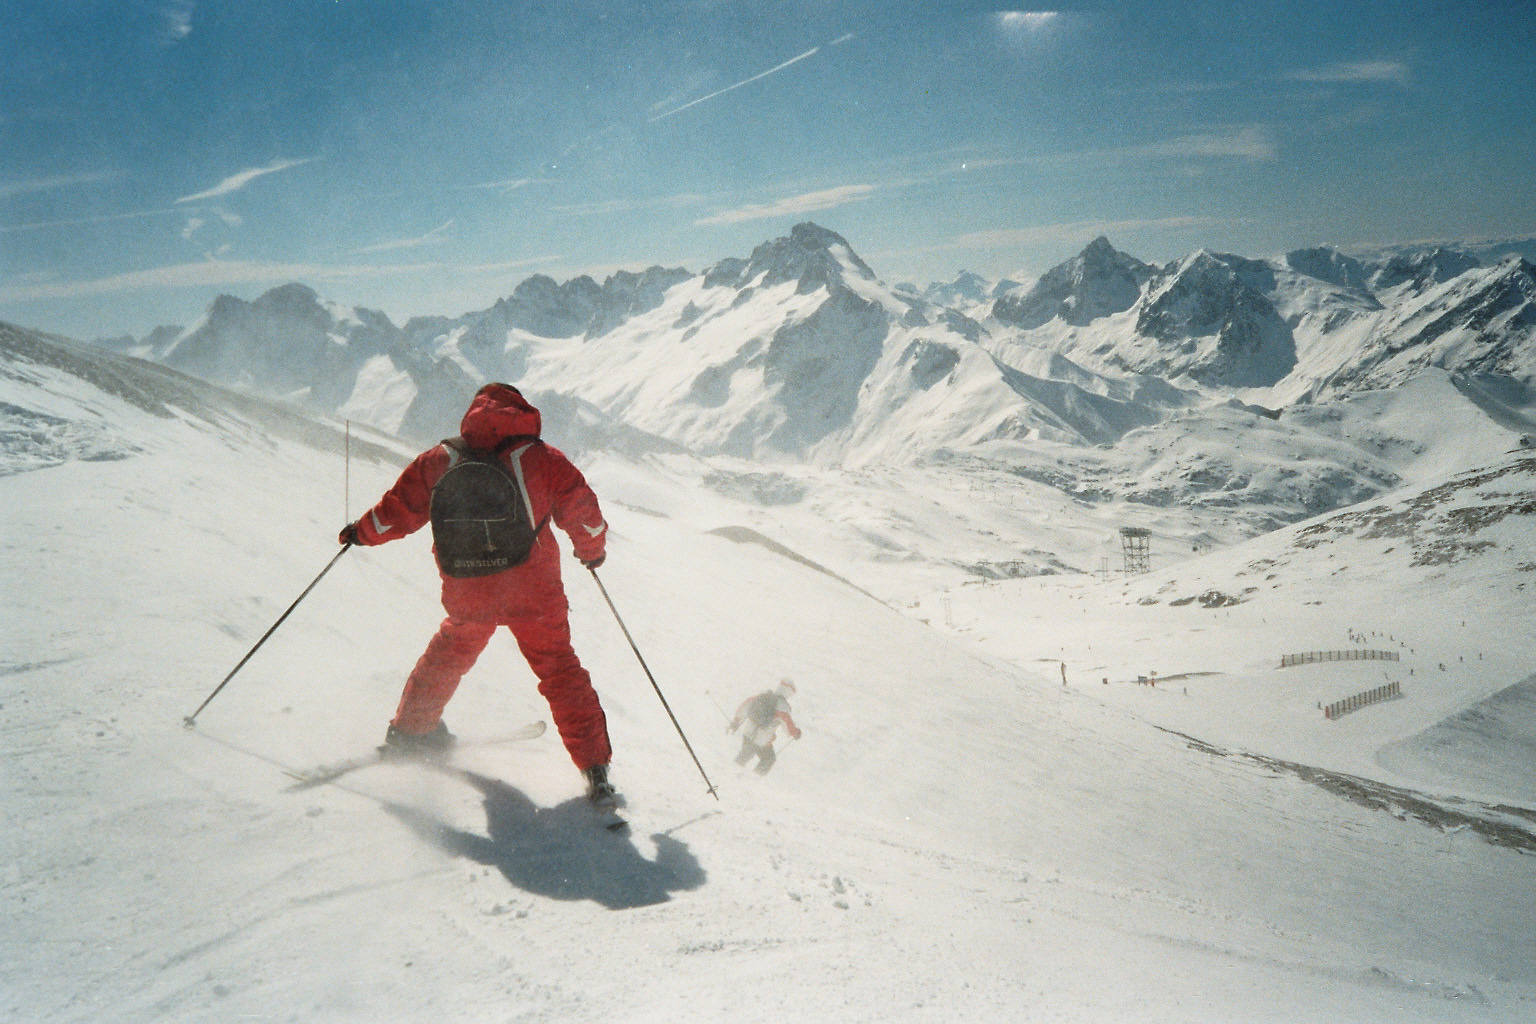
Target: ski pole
718	708
191	719
346	492
619	619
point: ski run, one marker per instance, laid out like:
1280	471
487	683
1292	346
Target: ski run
993	813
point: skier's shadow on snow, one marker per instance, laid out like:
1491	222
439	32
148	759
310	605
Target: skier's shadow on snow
561	852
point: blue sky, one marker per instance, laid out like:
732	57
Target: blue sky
423	157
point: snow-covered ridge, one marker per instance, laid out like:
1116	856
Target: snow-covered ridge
70	401
1315	324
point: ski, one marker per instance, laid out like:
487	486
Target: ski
609	818
308	778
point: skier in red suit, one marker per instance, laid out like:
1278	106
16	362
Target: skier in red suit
527	598
763	713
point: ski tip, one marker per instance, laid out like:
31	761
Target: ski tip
617	825
298	780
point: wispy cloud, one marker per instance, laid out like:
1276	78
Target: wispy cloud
196	221
1026	21
104	218
201	274
813	51
1029	29
1178	87
433	237
503	266
607	207
176	20
1075	232
1246	142
217	273
506	185
200	224
53	182
236	182
1251	142
1364	72
1390	72
808	202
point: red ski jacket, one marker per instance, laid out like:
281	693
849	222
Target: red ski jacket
556	490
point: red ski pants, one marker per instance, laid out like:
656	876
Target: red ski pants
546	643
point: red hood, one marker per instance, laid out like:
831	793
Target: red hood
498	412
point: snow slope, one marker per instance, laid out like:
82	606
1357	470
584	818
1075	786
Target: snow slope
957	837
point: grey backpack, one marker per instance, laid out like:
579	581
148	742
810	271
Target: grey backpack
482	522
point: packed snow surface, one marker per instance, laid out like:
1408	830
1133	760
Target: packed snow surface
989	817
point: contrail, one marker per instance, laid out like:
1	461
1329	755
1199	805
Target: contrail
430	238
746	81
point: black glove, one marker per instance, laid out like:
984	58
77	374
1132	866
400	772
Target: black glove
348	534
593	563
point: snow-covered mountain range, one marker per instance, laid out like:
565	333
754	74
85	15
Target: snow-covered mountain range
793	336
1108	376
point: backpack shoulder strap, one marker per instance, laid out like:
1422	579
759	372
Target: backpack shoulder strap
515	468
459	446
508	443
456	448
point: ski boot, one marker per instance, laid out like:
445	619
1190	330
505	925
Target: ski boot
601	793
429	745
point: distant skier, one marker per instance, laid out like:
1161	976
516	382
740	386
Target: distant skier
762	714
499	436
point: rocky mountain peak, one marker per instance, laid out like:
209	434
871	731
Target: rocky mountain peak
1221	298
289	299
811	255
1099	281
1498	305
966	291
626	294
1098	249
1420	269
1329	265
284	342
542	306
